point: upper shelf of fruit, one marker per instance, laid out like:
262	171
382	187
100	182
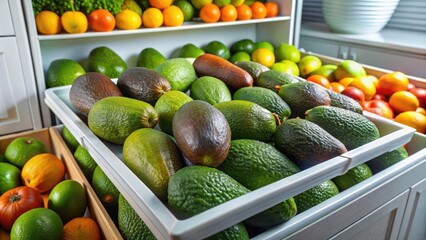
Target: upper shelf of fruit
82	19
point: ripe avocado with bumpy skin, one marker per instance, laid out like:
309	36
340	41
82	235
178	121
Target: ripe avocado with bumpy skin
105	60
253	68
343	101
273	78
315	195
387	159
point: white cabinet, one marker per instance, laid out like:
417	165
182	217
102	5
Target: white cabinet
19	109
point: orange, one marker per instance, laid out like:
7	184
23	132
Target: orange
244	12
160	4
74	22
337	87
392	82
173	16
228	13
263	56
210	13
320	80
271	9
128	20
81	228
366	85
402	101
421	110
258	10
48	22
152	18
374	79
346	81
413	119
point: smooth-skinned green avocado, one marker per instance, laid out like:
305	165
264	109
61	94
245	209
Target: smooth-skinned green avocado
210	89
150	58
179	72
104	60
217	48
63	72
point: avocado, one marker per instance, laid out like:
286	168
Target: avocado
253	68
115	118
352	177
85	161
105	190
351	128
343	101
152	149
255	164
150	58
315	195
272	79
202	133
248	120
265	98
90	88
105	60
189	50
217	48
306	143
210	89
143	84
195	189
387	159
63	72
302	96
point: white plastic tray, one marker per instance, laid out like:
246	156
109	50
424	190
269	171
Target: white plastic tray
161	220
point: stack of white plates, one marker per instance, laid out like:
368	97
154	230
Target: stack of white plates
358	16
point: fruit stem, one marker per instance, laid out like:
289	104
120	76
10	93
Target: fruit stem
277	119
277	88
14	198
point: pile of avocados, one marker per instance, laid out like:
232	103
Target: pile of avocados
200	132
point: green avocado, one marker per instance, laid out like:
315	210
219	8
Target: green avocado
105	60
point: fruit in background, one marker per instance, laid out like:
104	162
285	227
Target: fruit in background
380	97
101	20
346	81
282	67
104	60
132	5
190	136
374	79
81	228
264	44
218	48
210	13
186	8
228	13
409	86
221	3
115	118
402	101
253	68
421	110
49	228
89	88
315	195
198	4
286	51
345	102
379	107
349	68
258	10
150	58
10	177
172	16
240	56
353	176
365	84
48	22
327	71
387	159
420	93
160	4
104	189
152	18
243	45
22	149
69	139
392	82
273	79
413	119
128	20
308	64
263	56
210	89
63	72
74	22
85	161
320	80
15	202
179	72
244	12
237	3
272	9
143	84
166	107
337	87
189	50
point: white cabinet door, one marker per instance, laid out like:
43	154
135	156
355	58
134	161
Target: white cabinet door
6	26
15	112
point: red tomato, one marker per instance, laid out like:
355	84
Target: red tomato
320	80
354	93
420	93
379	107
17	201
101	20
380	96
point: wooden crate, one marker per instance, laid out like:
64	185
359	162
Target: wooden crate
52	138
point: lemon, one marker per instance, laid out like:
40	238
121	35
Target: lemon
309	64
128	20
263	56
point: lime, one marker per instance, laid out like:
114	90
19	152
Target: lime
240	56
247	2
244	45
309	64
187	9
221	3
198	4
86	163
63	72
69	139
218	48
10	177
37	223
349	68
21	149
287	67
104	188
327	71
68	200
190	51
352	177
287	52
264	44
263	56
179	72
237	3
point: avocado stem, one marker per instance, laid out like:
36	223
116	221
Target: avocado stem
277	119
